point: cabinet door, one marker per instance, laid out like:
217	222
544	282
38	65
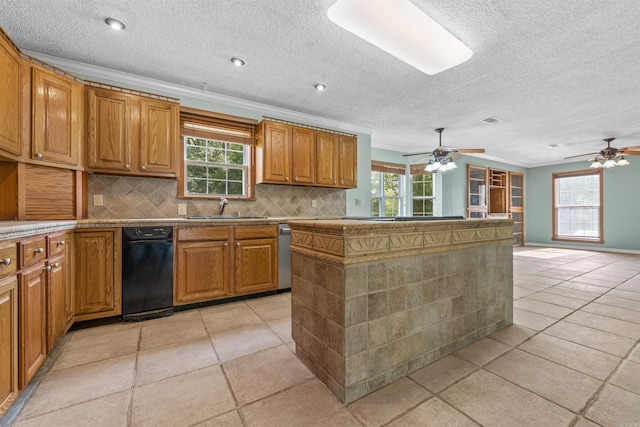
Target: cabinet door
303	146
32	326
256	266
57	278
69	293
8	342
348	161
516	206
202	271
158	137
11	100
52	119
109	130
277	153
97	294
477	191
327	159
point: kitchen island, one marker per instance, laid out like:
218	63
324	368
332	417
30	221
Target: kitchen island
374	301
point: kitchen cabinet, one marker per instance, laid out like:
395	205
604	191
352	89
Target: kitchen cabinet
215	262
11	101
498	192
59	288
327	155
98	278
203	256
347	161
131	135
256	259
303	155
297	155
32	322
8	341
57	118
273	153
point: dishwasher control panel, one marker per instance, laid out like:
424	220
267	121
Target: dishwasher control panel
147	233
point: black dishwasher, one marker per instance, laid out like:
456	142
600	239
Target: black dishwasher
147	272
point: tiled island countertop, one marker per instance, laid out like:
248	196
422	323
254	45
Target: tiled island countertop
375	301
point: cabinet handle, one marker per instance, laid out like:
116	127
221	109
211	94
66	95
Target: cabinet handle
237	244
286	178
295	178
143	167
61	243
39	251
56	265
127	167
226	244
47	268
5	261
39	155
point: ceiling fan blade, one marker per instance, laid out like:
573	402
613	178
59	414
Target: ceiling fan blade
627	152
420	159
633	148
470	150
417	154
581	155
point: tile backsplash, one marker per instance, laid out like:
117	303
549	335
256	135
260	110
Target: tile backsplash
130	197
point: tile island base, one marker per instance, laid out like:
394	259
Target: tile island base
374	301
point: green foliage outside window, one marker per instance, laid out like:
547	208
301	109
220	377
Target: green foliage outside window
215	167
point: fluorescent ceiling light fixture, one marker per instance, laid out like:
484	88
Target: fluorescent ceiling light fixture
115	24
400	28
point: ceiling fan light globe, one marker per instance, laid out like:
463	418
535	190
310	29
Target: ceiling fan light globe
596	164
609	164
436	165
622	162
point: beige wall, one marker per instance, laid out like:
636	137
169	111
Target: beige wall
127	197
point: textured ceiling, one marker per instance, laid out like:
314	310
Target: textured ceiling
556	72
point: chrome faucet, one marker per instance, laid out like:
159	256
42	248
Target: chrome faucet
223	203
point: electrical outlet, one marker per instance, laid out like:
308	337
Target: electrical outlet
358	202
313	203
98	200
182	208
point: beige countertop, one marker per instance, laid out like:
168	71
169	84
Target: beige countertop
17	229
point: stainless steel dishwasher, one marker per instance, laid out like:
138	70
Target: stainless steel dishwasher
284	256
147	272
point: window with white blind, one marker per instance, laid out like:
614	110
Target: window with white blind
218	154
577	206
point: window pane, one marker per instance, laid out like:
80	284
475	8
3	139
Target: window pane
217	173
197	186
235	188
577	206
375	207
375	183
196	153
196	171
235	174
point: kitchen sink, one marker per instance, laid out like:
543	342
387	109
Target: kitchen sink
225	217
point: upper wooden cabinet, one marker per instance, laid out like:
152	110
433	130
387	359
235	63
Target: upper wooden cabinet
11	108
296	155
57	119
273	153
131	135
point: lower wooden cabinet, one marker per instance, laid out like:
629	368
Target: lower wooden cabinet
57	288
8	342
223	261
33	322
256	266
202	271
98	280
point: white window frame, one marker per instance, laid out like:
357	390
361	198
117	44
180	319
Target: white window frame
411	197
558	234
382	198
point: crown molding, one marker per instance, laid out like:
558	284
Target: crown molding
179	91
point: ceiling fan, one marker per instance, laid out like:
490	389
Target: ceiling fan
610	157
442	158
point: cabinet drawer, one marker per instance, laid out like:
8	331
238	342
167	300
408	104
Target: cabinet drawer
32	251
186	234
8	259
255	232
56	244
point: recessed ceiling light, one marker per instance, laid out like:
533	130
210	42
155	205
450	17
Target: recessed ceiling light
491	120
320	87
403	30
553	145
238	62
115	24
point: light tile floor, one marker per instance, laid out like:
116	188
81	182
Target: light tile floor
572	358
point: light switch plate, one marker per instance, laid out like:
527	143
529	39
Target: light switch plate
182	208
98	200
